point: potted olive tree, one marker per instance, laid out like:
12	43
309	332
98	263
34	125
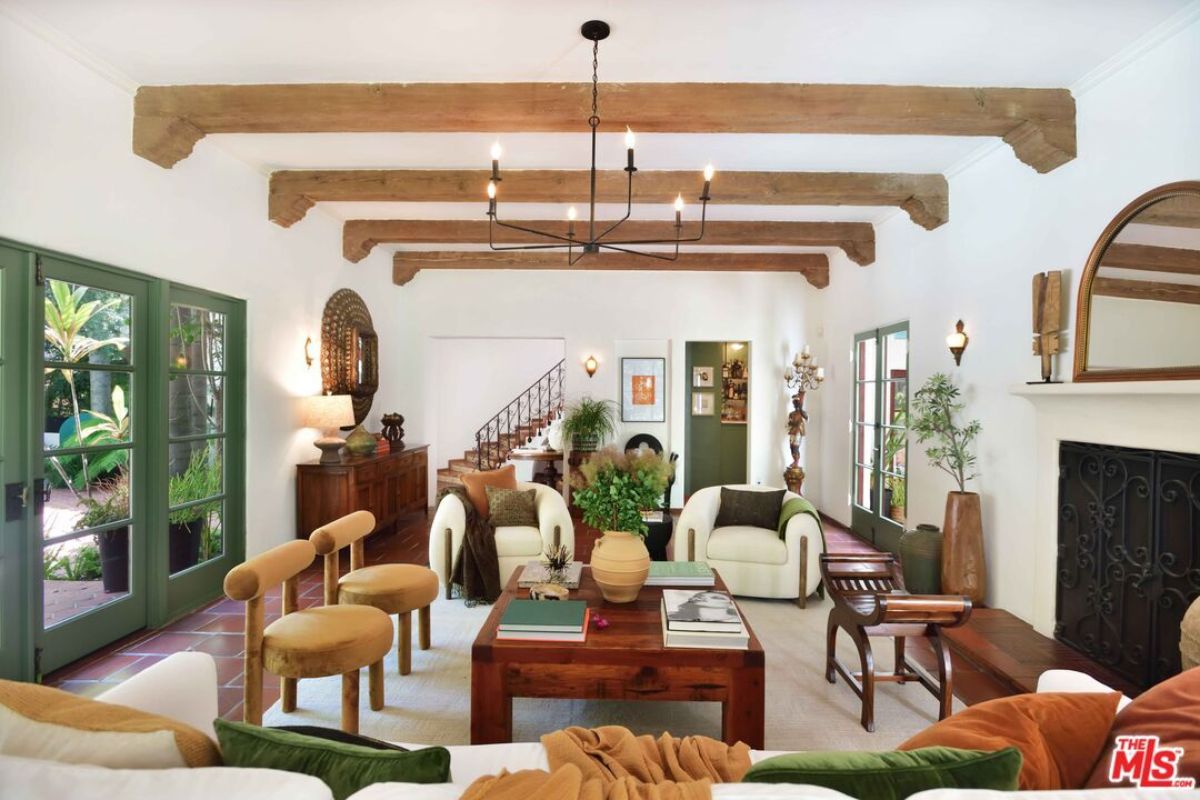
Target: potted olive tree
613	488
588	422
935	420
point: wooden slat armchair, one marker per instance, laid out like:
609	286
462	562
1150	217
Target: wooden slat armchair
868	601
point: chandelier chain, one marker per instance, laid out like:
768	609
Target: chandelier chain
594	120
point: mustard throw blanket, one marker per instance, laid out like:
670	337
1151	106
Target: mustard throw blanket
610	763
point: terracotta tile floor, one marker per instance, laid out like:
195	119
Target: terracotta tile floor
217	628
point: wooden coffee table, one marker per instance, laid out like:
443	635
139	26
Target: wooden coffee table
625	661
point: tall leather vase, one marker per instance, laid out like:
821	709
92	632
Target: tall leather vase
963	569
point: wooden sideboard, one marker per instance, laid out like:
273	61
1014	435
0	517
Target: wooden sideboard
387	485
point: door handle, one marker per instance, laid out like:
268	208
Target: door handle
16	500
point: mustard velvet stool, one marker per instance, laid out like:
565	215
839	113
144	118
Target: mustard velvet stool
396	589
313	643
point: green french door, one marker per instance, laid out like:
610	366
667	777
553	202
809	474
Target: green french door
122	454
879	499
15	625
92	470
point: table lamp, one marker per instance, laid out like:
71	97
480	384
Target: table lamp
327	413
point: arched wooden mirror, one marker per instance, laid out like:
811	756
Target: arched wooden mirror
1138	312
349	351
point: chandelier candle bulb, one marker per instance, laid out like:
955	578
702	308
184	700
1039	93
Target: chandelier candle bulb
678	210
491	191
571	215
708	176
629	150
496	151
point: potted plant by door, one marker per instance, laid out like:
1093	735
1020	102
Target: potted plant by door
185	526
612	489
588	422
109	504
936	407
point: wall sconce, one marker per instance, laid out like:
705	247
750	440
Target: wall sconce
957	342
308	356
590	365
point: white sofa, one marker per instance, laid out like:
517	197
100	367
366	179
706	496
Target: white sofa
184	687
754	562
515	545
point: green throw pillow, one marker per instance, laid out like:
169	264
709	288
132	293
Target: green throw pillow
512	506
757	509
345	768
895	775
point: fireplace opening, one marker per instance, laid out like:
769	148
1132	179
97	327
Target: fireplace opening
1128	560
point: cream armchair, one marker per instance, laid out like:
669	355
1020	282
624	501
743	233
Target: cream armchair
515	545
754	562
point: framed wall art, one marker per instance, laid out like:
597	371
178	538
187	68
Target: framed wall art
702	404
643	390
702	377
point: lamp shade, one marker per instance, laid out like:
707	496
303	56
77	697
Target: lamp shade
327	411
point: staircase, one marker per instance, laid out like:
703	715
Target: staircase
516	424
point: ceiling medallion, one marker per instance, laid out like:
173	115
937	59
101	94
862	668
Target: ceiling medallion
577	247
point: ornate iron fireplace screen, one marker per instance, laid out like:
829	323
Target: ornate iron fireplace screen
1128	566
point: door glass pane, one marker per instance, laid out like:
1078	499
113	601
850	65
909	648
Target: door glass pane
212	534
86	325
895	355
865	445
72	503
197	338
96	401
196	404
194	530
865	360
862	492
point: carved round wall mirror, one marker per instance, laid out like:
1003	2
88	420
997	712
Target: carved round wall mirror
1138	311
349	351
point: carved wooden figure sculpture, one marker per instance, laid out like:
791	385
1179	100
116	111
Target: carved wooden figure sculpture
1047	319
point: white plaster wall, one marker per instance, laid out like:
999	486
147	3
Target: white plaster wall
473	379
610	314
1137	129
69	181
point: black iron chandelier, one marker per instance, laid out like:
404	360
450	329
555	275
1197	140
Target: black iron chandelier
577	247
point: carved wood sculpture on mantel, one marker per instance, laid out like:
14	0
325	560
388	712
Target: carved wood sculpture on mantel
1047	319
1039	124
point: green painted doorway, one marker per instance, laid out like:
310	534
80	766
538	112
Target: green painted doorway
716	414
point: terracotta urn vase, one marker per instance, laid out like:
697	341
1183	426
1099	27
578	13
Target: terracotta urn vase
963	569
620	565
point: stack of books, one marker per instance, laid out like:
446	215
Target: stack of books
706	620
544	621
680	573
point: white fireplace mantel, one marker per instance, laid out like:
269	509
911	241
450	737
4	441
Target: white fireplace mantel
1153	415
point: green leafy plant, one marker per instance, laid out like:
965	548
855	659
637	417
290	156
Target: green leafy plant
112	506
588	420
81	565
201	479
936	405
613	488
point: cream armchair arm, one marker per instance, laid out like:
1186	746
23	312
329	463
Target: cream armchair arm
183	686
554	519
450	517
804	545
696	521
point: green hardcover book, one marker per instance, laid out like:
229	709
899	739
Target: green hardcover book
680	573
544	615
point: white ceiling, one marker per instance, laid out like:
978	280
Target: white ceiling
938	42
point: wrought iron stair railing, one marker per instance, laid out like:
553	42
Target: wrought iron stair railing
521	419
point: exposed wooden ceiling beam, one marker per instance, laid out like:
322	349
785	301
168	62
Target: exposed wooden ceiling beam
1039	124
1152	258
857	239
1147	290
926	197
1181	211
813	266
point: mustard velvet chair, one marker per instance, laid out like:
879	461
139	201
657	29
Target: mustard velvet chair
398	589
313	643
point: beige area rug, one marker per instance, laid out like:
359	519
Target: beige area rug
431	705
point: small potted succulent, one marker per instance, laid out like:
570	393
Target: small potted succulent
613	488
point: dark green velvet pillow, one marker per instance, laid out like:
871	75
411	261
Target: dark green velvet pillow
512	506
895	775
345	768
747	507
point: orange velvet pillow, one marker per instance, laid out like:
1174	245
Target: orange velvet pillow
1060	735
1170	711
477	483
